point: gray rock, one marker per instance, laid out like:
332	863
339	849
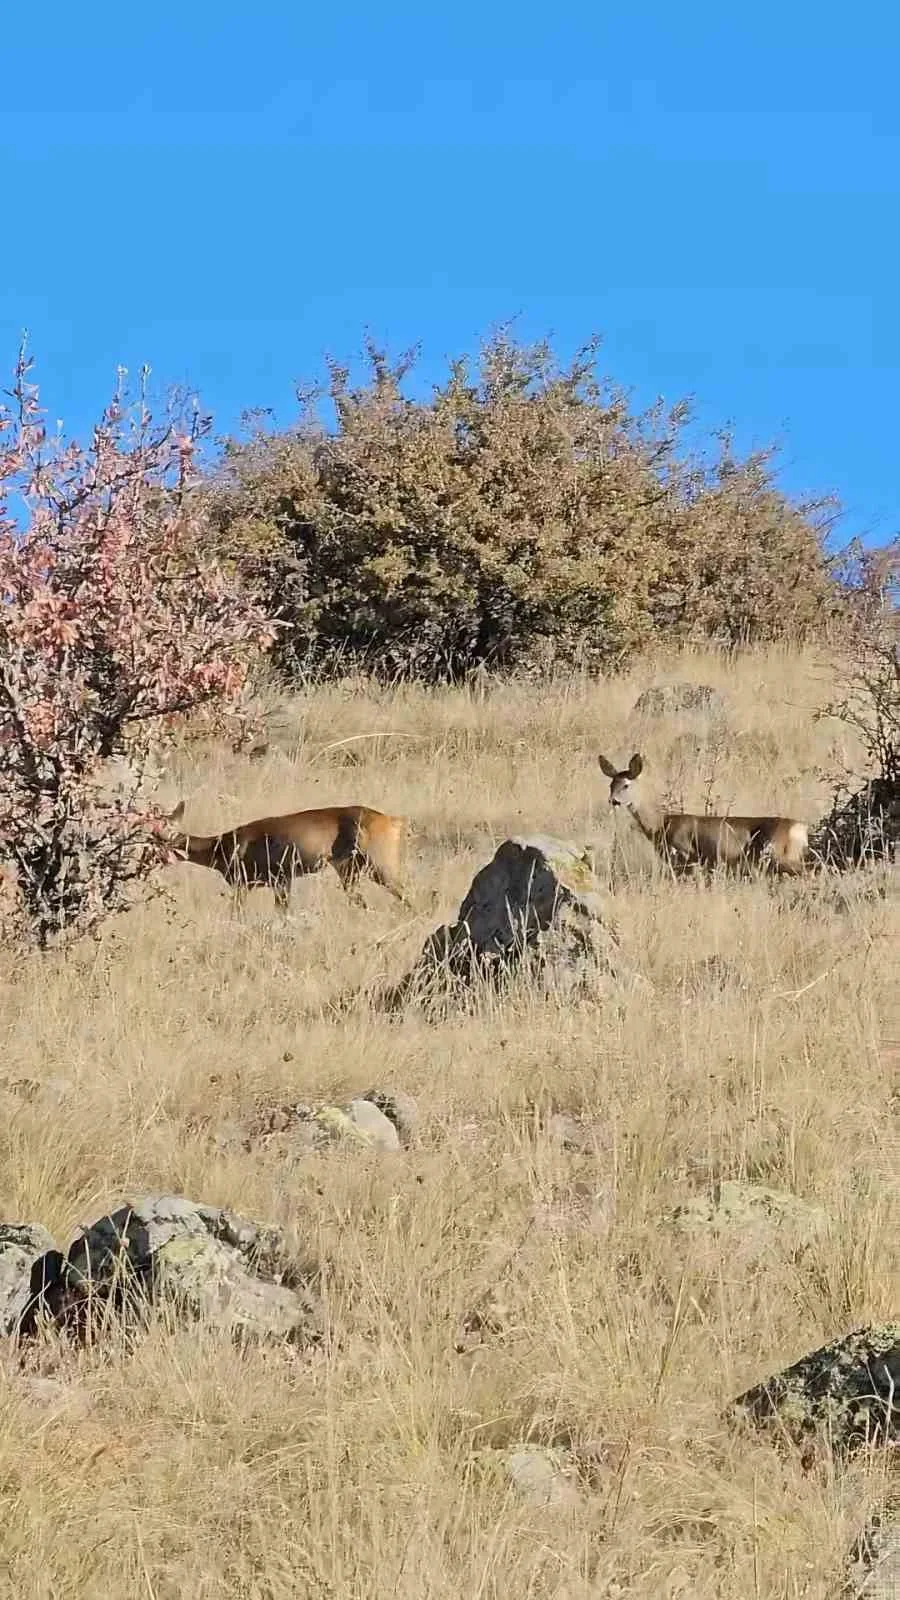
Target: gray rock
536	905
847	1391
543	1477
401	1109
30	1267
208	1261
374	1124
662	699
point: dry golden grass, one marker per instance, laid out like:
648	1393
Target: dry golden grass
370	1468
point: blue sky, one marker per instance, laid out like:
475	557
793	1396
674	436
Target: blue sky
229	191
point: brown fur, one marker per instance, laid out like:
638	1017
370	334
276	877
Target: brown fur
687	839
274	850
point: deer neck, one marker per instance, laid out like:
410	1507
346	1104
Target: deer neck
649	818
199	851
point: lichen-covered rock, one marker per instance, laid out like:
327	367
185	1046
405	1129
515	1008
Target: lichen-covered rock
29	1273
847	1391
302	1128
210	1262
661	699
536	904
749	1208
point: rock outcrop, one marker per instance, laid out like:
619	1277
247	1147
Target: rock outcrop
534	907
847	1392
204	1261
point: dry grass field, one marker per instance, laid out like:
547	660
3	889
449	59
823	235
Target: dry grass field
373	1466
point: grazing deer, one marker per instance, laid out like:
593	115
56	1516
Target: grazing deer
684	839
275	850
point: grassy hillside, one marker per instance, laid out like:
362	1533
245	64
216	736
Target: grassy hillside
767	1052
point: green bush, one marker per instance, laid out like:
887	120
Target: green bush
521	514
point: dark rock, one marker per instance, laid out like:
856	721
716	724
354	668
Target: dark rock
847	1391
536	905
30	1268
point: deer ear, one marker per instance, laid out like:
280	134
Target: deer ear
177	814
635	767
606	766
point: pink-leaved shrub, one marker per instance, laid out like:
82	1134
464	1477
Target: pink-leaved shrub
113	615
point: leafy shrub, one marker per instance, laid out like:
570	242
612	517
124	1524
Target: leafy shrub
522	513
112	616
863	823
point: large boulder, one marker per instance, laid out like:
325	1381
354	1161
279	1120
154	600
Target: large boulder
209	1262
536	905
848	1392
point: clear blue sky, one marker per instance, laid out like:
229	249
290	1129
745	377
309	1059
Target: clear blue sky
227	191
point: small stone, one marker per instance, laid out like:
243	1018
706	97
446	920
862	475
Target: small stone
486	1321
337	1123
63	1399
374	1124
543	1477
30	1088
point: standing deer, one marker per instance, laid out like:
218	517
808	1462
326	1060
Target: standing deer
682	838
274	850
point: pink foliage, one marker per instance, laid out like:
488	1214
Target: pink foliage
113	615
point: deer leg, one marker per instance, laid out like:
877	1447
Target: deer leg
790	869
389	882
347	869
